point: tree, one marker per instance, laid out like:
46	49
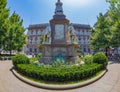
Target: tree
115	39
114	19
107	30
101	34
15	36
12	35
4	15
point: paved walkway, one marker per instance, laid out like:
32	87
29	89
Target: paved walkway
109	83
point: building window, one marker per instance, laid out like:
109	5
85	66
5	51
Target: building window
36	39
42	31
88	37
31	40
35	50
84	38
83	30
84	49
79	39
36	32
78	32
30	49
89	50
31	32
39	32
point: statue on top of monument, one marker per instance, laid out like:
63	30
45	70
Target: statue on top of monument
47	35
72	34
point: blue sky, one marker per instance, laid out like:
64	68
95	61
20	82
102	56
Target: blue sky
41	11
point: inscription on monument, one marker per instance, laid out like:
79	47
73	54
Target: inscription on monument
59	31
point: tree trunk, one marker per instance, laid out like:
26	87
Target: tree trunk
106	51
10	53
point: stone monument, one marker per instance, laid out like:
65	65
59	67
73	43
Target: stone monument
60	41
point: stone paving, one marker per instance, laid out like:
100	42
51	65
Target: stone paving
109	83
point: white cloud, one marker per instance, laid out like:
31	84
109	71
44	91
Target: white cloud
79	3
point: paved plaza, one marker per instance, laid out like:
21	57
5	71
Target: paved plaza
109	83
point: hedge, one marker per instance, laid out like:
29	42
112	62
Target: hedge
100	58
88	59
20	59
59	74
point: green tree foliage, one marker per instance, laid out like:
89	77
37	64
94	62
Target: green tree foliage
15	36
11	30
115	39
107	30
114	19
100	38
4	14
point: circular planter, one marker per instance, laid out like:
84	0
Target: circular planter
57	87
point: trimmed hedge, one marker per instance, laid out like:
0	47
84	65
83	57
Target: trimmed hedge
100	58
59	74
20	59
88	59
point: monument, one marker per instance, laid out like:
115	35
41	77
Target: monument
60	41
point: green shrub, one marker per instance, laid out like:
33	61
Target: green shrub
80	55
33	59
88	59
20	59
59	74
38	56
100	58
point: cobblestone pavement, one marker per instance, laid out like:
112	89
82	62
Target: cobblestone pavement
109	83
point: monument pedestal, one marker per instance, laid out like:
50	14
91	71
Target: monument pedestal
63	52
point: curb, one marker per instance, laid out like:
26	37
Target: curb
58	87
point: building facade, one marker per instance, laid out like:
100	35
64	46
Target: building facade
37	30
